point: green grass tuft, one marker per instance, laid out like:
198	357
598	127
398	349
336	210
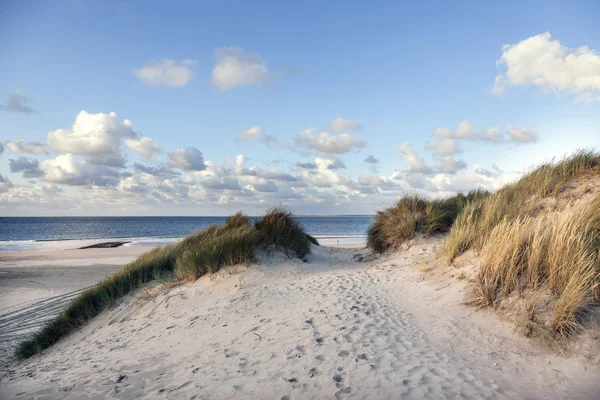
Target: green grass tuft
279	227
414	214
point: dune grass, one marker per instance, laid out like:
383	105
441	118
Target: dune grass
523	248
206	251
517	200
558	252
280	228
415	214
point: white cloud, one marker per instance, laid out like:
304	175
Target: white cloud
411	158
1	149
147	148
369	180
551	66
20	146
322	175
340	124
188	159
465	131
133	184
449	165
522	135
276	175
166	73
326	143
16	102
93	135
68	169
444	146
249	134
234	68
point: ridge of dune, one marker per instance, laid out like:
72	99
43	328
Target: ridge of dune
342	325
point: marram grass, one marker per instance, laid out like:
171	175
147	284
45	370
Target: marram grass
206	251
415	214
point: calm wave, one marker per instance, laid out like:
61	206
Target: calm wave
57	233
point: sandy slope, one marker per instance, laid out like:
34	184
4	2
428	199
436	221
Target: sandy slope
36	285
330	328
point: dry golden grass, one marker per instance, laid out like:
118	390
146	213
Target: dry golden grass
557	252
527	247
517	200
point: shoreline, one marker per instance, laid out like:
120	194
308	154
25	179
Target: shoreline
22	246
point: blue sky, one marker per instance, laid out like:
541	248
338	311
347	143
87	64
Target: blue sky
394	72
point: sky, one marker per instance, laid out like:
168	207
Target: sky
196	108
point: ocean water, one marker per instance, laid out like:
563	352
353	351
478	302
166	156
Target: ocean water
60	233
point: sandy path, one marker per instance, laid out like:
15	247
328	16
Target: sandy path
331	328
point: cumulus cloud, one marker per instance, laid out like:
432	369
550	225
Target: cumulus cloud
446	147
411	159
221	183
234	67
155	171
267	187
336	164
109	160
68	169
522	135
93	135
369	180
1	149
187	159
17	102
275	175
166	73
465	131
329	144
249	134
20	146
449	165
147	148
255	134
340	124
323	175
551	66
29	167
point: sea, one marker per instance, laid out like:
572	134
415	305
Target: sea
63	233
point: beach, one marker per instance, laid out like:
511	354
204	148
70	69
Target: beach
344	324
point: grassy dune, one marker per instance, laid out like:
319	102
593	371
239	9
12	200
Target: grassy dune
525	247
517	200
206	251
414	214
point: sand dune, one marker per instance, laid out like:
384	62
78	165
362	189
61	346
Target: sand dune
37	285
334	327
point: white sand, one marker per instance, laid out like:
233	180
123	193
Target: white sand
284	329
